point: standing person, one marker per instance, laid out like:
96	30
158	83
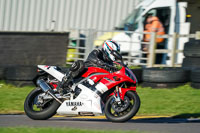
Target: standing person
153	24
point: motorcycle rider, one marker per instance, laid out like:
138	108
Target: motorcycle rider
102	57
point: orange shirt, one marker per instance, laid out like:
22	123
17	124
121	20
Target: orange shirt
154	25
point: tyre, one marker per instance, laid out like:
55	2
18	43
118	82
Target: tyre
192	48
161	85
165	75
21	73
38	109
138	74
195	85
124	111
195	75
191	62
2	72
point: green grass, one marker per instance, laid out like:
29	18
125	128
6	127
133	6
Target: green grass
58	130
177	101
183	100
12	98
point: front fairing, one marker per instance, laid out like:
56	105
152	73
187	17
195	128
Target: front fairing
110	79
116	78
128	77
126	72
130	74
92	70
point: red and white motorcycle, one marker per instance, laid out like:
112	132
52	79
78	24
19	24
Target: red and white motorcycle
96	91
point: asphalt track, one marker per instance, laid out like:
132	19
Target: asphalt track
158	125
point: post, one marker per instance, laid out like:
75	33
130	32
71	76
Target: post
152	48
197	35
173	51
89	42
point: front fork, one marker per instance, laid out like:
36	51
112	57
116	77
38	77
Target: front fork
120	92
117	95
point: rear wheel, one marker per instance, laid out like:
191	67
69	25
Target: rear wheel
125	111
38	108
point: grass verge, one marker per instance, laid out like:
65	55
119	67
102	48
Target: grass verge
12	98
182	101
58	130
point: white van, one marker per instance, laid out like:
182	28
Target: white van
170	12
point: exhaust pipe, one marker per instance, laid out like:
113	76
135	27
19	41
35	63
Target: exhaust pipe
46	88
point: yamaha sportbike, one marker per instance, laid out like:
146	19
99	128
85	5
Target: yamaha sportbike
96	91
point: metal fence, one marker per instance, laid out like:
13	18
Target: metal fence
61	15
83	41
173	51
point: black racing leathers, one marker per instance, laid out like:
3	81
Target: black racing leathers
98	58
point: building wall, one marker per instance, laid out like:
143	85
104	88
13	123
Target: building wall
62	15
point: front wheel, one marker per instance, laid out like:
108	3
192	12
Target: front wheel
38	108
125	111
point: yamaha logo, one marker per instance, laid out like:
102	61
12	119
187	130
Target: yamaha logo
74	103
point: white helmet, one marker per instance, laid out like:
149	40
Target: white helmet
109	46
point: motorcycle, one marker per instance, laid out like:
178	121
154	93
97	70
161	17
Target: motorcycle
95	91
